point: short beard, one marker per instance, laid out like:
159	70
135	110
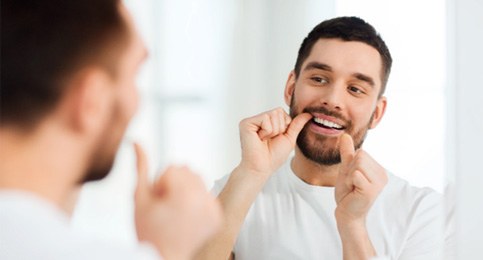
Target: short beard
99	171
101	164
318	150
103	156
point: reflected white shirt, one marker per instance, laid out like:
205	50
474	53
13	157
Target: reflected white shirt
291	219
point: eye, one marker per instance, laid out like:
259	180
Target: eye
355	90
319	80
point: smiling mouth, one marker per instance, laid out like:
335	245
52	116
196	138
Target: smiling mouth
327	124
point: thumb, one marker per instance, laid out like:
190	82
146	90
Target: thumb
143	185
347	150
297	125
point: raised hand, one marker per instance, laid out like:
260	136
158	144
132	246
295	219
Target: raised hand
176	213
358	184
268	138
266	141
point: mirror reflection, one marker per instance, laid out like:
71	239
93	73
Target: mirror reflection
214	63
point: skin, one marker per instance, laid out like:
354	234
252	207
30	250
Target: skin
176	213
349	84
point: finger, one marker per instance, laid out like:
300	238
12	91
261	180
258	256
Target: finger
276	124
266	128
297	125
375	173
275	121
360	181
363	163
347	150
177	179
281	120
142	186
287	120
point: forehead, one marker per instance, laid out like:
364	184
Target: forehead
347	58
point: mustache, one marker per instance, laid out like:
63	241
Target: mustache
327	112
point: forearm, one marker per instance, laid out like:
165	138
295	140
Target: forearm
236	199
356	244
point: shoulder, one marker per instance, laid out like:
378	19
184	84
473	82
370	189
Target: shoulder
409	205
400	190
411	219
49	234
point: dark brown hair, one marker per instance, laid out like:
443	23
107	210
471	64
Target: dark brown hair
44	43
347	29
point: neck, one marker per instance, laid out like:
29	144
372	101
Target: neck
43	163
312	172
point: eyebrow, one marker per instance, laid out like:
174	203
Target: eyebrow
321	66
364	78
317	65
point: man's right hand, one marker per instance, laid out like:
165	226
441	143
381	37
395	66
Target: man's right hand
268	138
176	213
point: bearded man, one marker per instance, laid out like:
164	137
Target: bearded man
331	200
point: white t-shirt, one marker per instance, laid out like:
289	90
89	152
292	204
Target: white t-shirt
291	219
33	228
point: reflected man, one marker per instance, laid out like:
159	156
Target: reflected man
331	200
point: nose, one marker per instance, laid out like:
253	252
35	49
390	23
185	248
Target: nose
333	97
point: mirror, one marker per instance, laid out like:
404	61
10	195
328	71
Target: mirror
215	62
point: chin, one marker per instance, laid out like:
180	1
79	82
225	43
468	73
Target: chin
100	166
97	174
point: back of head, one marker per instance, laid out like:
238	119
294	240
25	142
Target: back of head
44	43
346	29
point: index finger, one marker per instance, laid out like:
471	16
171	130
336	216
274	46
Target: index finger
142	171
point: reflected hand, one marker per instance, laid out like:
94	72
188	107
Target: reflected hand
360	181
268	138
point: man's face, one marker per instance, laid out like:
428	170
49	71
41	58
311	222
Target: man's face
124	104
339	85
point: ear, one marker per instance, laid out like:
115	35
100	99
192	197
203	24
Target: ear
289	88
379	111
89	100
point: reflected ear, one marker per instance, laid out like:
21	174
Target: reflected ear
289	88
88	102
379	111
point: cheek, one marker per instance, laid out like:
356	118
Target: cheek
302	97
133	100
125	107
362	115
129	100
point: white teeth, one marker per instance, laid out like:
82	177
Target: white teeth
327	123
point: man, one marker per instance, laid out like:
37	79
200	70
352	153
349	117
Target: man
67	96
332	200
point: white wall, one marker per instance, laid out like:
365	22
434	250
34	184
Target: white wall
409	141
466	122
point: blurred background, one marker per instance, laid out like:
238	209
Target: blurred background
214	62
